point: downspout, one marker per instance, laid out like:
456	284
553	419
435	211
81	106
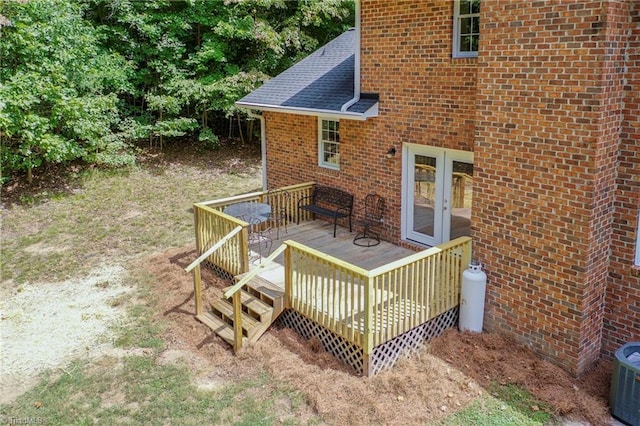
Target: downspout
356	65
263	146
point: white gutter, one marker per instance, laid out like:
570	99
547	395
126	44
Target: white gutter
371	112
356	65
263	146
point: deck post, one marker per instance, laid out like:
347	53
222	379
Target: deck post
244	250
237	321
466	255
366	364
288	277
200	225
367	347
197	289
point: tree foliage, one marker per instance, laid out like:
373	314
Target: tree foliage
59	88
82	79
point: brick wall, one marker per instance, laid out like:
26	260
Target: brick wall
425	98
541	109
292	156
549	96
622	314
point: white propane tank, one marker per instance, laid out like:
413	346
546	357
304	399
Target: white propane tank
474	287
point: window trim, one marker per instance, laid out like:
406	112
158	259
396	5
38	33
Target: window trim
321	142
456	33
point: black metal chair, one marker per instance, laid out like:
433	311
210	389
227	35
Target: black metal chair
279	201
259	235
373	218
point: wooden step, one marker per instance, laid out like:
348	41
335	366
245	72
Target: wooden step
265	290
224	309
262	302
254	306
219	326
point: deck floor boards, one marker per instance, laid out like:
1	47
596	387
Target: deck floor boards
318	235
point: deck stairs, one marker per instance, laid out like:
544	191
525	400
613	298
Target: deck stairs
262	303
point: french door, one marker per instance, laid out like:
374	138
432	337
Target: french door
438	188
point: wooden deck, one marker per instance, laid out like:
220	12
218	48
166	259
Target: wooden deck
375	302
318	234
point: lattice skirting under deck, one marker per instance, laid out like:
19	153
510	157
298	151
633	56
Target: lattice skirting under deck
383	356
387	354
345	351
219	271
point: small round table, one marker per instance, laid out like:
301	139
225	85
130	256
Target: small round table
250	212
254	214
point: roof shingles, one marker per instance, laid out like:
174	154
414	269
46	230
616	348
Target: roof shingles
323	81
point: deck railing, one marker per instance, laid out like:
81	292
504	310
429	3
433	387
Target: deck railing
368	308
212	224
326	289
365	307
413	290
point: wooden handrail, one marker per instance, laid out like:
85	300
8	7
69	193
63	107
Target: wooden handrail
230	200
250	275
213	248
417	256
384	268
254	195
329	258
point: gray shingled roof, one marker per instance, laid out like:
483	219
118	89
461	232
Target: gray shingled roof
322	82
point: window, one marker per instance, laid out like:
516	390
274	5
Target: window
329	143
466	28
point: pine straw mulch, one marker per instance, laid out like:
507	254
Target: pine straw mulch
491	359
445	377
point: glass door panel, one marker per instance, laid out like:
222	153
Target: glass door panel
424	197
423	222
437	194
461	194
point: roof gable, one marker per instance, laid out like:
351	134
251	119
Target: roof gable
319	84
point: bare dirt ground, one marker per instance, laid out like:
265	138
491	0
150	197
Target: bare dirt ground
47	311
451	372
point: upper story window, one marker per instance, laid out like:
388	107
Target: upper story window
329	143
466	28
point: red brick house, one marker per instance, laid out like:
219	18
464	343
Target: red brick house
517	123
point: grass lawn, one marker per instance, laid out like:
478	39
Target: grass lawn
117	219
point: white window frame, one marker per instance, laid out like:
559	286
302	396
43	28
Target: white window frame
457	17
335	140
637	261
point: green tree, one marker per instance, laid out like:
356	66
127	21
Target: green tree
58	88
82	78
196	58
